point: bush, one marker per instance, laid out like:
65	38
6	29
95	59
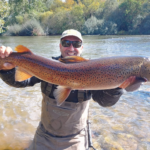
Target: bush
58	22
146	8
128	17
109	7
108	28
76	17
144	27
30	28
91	25
45	16
63	20
19	19
13	30
95	26
44	19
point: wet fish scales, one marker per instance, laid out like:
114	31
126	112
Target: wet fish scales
96	74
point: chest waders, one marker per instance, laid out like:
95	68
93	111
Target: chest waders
63	127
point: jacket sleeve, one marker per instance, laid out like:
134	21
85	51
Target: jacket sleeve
107	98
9	78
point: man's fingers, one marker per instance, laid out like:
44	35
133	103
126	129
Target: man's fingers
8	51
2	50
5	51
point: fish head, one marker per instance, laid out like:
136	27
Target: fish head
145	69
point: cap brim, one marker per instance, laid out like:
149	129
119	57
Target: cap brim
72	35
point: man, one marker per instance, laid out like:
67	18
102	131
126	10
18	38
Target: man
65	126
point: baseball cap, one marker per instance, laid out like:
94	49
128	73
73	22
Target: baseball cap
72	32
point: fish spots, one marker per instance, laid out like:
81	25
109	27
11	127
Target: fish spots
96	74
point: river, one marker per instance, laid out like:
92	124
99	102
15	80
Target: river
124	126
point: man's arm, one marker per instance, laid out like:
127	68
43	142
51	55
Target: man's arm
110	97
9	78
107	98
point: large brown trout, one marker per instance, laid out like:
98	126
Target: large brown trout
96	74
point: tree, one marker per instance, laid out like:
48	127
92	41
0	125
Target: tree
109	7
4	10
69	3
130	10
77	18
17	7
91	6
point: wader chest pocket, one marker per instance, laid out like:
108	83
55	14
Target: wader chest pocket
61	110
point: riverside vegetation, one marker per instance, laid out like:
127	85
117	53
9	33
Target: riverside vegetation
52	17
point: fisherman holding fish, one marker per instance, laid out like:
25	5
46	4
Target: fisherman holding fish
65	126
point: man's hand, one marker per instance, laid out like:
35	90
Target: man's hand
132	83
5	52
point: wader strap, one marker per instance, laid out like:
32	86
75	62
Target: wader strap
89	134
49	89
81	95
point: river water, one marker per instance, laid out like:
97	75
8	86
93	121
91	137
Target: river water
124	126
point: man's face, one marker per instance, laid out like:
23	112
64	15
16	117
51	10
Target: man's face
70	51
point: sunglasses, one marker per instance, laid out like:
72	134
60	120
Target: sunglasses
66	43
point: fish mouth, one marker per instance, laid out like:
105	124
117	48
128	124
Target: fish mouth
142	79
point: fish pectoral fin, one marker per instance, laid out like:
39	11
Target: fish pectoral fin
130	86
22	49
72	59
61	94
136	84
21	74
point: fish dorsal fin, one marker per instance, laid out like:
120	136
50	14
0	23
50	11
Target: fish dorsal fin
21	74
72	59
61	94
22	49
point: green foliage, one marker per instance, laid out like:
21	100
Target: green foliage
91	25
58	22
57	6
130	10
90	7
146	8
87	16
144	27
19	19
17	7
130	16
109	7
30	7
4	9
77	17
95	26
43	17
64	19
